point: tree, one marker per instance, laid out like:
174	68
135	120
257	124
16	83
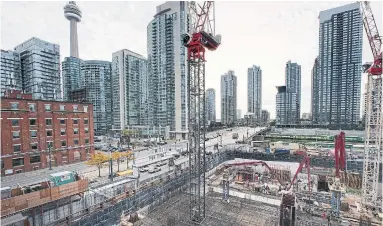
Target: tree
98	160
116	156
129	155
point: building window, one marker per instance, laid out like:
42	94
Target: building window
62	107
86	121
18	162
86	130
34	159
15	122
49	133
34	146
75	121
75	131
85	108
75	108
16	134
49	144
75	142
62	132
33	133
32	107
32	122
15	106
62	121
63	143
48	121
16	148
86	141
47	107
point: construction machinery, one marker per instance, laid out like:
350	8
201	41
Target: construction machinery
335	185
373	147
201	37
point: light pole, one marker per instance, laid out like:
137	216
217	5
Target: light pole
111	165
50	156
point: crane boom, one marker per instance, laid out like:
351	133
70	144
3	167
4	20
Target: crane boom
373	147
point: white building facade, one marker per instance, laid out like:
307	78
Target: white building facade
167	65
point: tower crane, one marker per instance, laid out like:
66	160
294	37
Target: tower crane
201	37
373	146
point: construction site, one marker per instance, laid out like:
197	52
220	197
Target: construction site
254	182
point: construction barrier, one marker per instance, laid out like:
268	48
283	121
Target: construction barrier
37	198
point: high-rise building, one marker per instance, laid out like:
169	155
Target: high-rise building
130	90
315	92
286	107
340	66
40	68
71	74
293	85
167	59
254	91
10	71
90	81
306	116
229	98
210	105
96	75
73	13
239	114
265	118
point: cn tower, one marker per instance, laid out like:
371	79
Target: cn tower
73	14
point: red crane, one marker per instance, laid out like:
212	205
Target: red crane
201	37
340	153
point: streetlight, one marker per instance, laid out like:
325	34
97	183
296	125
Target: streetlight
50	156
111	165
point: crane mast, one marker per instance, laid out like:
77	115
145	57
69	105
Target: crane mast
201	37
373	148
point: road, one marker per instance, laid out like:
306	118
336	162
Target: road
147	157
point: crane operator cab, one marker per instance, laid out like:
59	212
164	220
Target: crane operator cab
206	39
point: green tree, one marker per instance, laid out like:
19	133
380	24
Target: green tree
98	160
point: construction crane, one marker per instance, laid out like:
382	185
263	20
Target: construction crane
373	146
201	37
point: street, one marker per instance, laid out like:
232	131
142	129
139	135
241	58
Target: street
145	157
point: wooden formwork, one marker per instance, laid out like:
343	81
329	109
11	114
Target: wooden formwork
37	198
280	173
351	180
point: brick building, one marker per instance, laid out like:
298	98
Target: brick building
29	125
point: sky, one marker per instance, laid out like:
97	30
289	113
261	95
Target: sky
266	34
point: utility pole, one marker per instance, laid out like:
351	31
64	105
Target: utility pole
50	156
111	165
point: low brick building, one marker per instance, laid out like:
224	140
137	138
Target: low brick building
28	126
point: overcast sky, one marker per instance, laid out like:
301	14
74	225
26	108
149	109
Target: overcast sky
267	34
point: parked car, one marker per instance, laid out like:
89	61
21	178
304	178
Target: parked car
143	169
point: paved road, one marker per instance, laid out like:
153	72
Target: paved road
149	156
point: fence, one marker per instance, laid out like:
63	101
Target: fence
102	209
